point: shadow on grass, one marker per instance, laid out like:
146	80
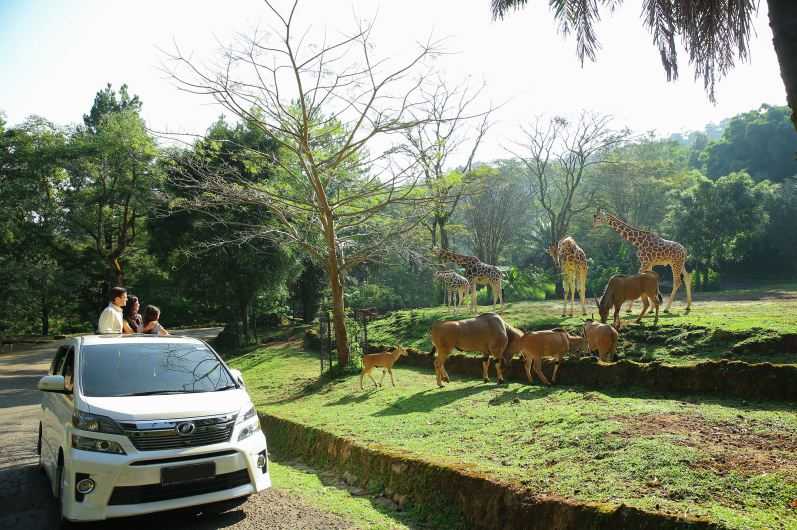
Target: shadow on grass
433	398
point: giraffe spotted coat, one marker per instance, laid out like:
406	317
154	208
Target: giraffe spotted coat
477	273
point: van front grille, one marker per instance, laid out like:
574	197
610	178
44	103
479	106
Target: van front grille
157	492
173	434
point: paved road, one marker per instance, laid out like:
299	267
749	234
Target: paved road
25	501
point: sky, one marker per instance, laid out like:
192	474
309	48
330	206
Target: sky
55	55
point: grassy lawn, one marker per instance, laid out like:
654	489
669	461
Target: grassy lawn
329	494
733	461
750	315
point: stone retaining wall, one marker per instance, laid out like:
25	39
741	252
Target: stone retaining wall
484	502
725	378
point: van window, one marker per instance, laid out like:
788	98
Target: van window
58	360
69	371
151	368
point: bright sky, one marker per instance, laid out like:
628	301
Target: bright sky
55	55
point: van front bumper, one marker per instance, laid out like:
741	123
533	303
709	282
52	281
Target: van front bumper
130	484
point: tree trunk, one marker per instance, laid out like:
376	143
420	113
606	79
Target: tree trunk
783	21
338	311
443	234
243	309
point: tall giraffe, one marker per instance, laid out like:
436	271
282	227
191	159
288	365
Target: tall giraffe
572	261
477	273
652	250
455	285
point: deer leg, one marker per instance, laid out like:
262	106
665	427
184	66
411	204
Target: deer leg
617	316
556	368
383	377
527	360
374	380
538	370
645	307
499	369
438	367
362	374
390	371
486	369
656	319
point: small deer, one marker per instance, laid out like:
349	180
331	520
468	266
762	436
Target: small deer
384	361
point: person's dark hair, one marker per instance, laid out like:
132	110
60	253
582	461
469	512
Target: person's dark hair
132	300
115	293
151	313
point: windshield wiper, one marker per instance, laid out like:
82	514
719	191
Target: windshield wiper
219	389
154	392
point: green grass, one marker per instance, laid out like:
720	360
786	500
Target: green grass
732	461
363	510
747	314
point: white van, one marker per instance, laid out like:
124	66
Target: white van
134	424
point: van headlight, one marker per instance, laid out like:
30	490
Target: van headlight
97	445
251	424
94	423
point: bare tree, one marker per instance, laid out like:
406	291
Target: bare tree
492	213
337	114
557	155
445	130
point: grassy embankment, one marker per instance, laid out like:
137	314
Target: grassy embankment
736	325
732	461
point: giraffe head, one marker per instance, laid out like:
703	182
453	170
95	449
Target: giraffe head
553	251
601	217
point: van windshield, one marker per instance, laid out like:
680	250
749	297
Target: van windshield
139	369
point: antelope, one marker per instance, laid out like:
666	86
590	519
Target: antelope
601	338
487	334
548	343
621	288
384	361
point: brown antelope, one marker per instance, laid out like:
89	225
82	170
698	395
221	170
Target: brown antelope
621	288
548	343
381	360
601	338
487	334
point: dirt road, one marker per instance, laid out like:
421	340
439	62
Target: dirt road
24	496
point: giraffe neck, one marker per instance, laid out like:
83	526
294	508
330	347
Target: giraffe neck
625	230
459	259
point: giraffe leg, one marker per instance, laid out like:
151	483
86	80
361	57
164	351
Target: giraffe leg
473	301
572	293
688	285
582	289
676	283
565	282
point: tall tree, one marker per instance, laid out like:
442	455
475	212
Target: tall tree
112	178
493	213
324	105
558	155
715	34
445	130
717	220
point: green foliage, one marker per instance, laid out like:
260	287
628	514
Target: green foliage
718	219
761	142
529	283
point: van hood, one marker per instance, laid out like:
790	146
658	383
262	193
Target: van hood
168	406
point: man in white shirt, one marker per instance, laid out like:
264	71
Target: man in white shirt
111	318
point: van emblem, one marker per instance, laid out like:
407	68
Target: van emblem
185	428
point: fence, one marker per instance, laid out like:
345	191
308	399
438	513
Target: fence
357	328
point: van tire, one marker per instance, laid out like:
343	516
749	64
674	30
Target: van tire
65	524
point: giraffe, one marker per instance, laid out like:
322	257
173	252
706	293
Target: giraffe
477	273
456	286
652	250
572	261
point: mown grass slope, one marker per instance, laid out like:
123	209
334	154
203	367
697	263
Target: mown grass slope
732	461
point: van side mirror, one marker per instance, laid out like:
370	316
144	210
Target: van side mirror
53	383
238	376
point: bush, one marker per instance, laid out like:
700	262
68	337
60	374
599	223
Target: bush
530	283
381	297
